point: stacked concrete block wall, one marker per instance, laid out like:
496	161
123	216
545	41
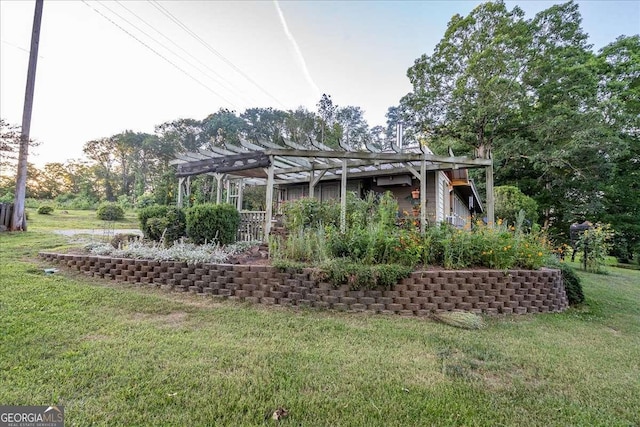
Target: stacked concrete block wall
424	292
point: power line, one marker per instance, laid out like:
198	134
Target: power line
160	55
222	82
212	50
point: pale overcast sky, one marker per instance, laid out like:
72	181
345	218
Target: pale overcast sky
95	80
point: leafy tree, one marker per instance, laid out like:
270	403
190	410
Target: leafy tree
264	123
9	144
510	201
353	128
378	138
299	125
101	151
531	95
620	92
222	126
327	131
181	135
469	88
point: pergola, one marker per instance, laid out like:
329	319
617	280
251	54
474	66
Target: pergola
269	164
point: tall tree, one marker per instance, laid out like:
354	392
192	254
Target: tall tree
620	94
469	88
182	134
299	125
101	151
223	126
352	126
327	131
264	123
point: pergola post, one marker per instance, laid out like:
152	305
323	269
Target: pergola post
269	200
240	194
184	189
218	188
180	195
423	196
312	186
490	195
343	197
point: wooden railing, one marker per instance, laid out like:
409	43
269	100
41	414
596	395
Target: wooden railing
456	221
6	210
251	225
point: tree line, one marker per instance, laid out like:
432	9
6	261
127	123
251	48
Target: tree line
561	122
130	165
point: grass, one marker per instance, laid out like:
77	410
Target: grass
114	354
77	219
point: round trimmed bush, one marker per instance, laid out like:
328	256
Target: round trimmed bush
45	210
110	212
213	223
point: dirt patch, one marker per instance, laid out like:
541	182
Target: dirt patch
173	320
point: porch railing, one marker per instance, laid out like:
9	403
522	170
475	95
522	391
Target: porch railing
456	221
251	225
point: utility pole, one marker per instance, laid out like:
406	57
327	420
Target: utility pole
18	221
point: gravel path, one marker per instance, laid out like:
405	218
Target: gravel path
99	232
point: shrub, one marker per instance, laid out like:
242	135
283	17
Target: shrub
341	271
310	213
572	284
387	275
45	210
145	200
596	244
159	221
302	246
509	201
155	228
211	222
145	214
7	197
73	201
110	212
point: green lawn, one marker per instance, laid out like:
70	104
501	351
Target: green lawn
114	354
77	219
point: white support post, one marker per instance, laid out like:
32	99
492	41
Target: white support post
343	197
269	200
218	188
311	184
240	194
180	195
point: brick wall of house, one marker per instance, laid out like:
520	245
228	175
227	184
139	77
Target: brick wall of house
424	292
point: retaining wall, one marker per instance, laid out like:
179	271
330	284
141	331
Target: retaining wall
424	292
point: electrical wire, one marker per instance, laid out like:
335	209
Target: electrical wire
160	55
213	50
221	80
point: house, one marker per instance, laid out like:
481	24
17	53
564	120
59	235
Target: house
451	196
436	188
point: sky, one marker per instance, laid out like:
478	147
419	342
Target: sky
109	66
